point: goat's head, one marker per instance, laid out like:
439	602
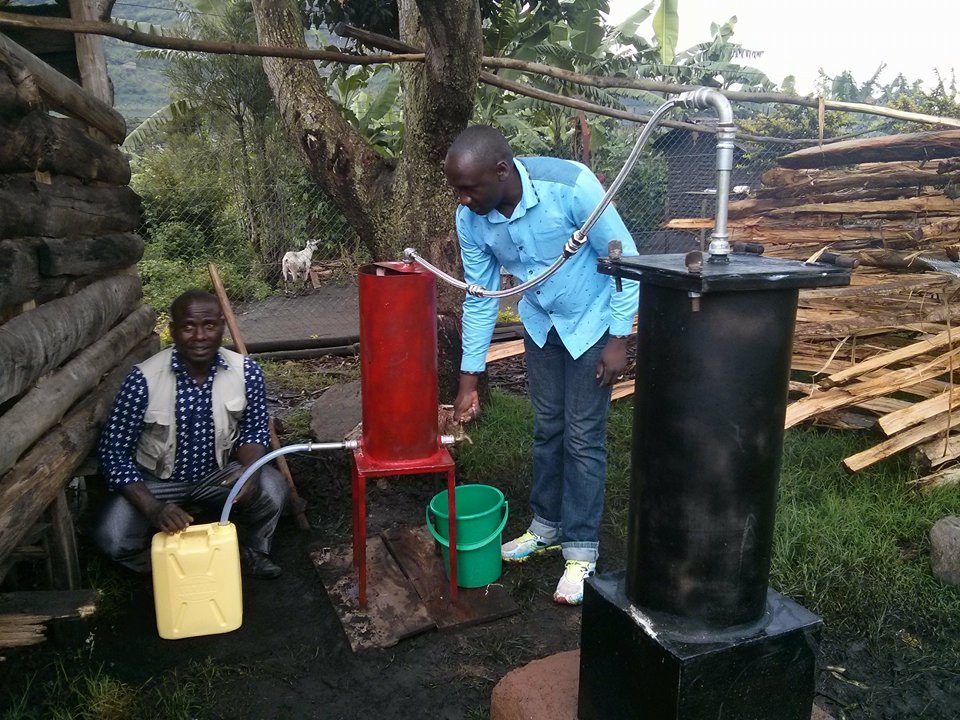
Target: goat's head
313	244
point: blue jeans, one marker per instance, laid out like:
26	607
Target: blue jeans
569	453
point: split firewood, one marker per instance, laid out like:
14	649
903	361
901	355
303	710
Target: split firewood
898	443
936	452
923	347
943	478
920	412
886	384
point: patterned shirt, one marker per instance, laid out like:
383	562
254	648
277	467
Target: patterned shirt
558	196
196	456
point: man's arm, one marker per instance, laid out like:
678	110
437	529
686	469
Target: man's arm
623	303
480	267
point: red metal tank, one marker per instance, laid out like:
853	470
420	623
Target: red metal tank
398	362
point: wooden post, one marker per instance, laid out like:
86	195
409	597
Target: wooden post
228	315
62	546
90	57
297	503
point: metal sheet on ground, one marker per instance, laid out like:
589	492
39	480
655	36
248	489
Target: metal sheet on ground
394	609
415	551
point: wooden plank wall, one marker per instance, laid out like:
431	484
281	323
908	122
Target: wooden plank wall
72	321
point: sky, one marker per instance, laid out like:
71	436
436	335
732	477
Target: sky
799	38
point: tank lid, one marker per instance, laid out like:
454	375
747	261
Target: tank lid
743	272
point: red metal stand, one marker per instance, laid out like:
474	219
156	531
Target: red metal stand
365	467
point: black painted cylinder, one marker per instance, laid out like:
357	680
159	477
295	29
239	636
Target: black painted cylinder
711	391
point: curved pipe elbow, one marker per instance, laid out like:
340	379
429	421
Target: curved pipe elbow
706	98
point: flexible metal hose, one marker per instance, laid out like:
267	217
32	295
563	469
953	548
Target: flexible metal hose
579	236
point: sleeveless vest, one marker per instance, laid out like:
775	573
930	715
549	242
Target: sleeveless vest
157	446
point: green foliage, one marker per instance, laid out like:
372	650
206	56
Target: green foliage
502	442
368	97
666	27
164	278
296	426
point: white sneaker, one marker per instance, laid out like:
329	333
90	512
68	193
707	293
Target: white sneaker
570	588
525	547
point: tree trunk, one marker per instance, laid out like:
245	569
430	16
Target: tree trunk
88	256
409	204
888	148
37	342
19	272
782	182
341	162
64	95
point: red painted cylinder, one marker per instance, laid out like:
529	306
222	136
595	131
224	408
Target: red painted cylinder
398	362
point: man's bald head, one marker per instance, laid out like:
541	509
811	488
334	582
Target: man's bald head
481	142
479	168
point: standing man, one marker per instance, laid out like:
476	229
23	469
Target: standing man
183	427
518	213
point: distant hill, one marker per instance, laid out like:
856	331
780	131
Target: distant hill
139	86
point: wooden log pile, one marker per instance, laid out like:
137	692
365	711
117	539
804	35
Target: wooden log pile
72	321
881	353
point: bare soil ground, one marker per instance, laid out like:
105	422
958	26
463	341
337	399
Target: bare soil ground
290	659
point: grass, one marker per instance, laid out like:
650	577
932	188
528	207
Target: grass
306	378
855	549
296	426
72	688
852	548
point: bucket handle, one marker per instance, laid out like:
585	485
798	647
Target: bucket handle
473	545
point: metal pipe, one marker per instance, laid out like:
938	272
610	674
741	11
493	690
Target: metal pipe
704	99
302	447
579	236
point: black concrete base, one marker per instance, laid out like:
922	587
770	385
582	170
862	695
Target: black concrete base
637	666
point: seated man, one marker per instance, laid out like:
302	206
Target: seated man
183	427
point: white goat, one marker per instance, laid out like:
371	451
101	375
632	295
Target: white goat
295	265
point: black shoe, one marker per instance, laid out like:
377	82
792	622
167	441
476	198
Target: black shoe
257	564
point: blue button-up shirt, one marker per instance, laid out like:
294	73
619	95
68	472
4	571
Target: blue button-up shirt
196	456
558	196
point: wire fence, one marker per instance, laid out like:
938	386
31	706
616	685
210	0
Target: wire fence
246	230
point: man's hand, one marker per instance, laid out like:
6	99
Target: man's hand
467	405
171	518
613	360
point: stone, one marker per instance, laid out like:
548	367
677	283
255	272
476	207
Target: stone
945	550
544	689
336	413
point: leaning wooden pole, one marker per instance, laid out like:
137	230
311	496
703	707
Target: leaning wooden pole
296	502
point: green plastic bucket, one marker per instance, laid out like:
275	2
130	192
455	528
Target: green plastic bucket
481	516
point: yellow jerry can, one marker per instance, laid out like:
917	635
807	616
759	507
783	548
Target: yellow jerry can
196	581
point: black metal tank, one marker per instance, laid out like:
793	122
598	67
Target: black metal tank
713	364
